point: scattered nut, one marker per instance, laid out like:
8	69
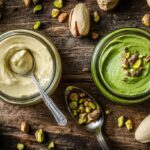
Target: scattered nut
24	127
20	146
58	3
51	145
79	20
27	2
94	35
146	20
137	64
129	124
96	16
62	17
37	25
40	135
55	13
107	4
37	8
121	121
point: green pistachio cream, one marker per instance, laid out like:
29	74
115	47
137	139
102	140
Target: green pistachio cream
121	66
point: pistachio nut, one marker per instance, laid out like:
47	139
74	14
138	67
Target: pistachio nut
129	124
79	20
107	4
51	145
24	127
55	12
37	25
40	135
20	146
58	3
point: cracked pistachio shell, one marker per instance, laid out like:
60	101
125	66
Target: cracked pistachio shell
142	133
106	5
79	20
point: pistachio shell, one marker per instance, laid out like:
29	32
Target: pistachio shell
142	133
79	20
107	4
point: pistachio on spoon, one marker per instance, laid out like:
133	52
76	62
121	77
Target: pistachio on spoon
85	111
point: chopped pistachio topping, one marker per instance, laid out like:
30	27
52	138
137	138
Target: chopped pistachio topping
58	3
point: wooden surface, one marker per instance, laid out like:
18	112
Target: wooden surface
76	55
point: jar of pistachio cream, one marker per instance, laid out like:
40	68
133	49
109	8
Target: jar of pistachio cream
18	48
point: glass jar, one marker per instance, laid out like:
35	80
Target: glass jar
57	67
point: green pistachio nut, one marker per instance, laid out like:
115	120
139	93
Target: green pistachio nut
128	55
37	8
129	124
96	16
137	64
20	146
51	145
73	105
37	25
55	12
92	105
121	121
40	135
73	97
74	112
58	3
87	109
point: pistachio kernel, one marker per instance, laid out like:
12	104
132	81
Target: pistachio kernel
137	64
37	8
37	25
40	135
129	124
58	3
121	121
20	146
51	145
96	16
55	13
73	105
74	97
24	127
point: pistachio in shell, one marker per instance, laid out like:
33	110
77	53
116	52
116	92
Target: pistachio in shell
79	20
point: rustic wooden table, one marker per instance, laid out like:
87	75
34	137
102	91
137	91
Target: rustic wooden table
76	55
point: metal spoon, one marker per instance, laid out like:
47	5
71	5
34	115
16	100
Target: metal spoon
95	126
58	115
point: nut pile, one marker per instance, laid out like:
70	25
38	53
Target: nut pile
83	108
133	63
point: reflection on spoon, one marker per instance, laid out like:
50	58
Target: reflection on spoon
22	63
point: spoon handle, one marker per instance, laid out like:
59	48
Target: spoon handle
58	115
101	140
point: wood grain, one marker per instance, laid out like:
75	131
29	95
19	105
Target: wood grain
76	55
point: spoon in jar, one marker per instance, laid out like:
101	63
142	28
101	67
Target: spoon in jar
22	63
94	126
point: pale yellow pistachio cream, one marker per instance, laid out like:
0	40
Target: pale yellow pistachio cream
16	58
21	62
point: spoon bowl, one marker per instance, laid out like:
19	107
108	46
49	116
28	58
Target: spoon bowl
94	126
